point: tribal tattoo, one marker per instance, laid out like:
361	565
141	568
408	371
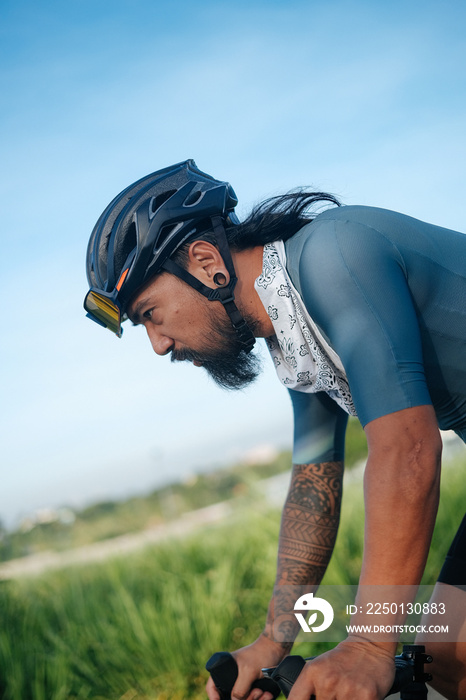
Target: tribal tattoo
307	537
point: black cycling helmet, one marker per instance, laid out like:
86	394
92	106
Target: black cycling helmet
145	225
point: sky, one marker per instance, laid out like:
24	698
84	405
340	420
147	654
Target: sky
366	100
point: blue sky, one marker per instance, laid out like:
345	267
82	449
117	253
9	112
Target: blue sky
366	100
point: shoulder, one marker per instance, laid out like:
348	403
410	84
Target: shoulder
340	241
344	221
347	220
372	217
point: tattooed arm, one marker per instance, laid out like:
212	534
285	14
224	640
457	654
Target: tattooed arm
312	509
308	531
307	537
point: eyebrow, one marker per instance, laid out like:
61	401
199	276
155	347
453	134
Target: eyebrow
134	315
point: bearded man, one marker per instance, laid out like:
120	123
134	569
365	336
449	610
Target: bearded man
364	314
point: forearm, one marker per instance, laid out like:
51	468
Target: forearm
400	512
307	537
401	492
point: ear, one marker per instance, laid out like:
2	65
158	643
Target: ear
205	261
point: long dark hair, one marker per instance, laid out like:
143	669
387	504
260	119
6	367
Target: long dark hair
278	218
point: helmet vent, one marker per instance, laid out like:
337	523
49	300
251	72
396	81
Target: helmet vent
156	202
165	233
193	198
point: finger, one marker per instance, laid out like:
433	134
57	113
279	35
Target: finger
211	690
303	689
258	694
242	689
243	692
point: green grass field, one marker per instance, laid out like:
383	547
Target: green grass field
143	626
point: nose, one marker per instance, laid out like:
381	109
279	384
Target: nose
161	344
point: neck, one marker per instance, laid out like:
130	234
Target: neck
248	266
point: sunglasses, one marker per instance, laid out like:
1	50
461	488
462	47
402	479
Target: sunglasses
104	310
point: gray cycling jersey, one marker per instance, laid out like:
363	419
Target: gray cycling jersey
388	292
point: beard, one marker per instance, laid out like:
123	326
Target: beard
223	356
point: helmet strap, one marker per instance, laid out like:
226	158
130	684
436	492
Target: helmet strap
225	295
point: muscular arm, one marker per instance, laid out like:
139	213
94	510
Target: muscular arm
307	537
401	492
308	530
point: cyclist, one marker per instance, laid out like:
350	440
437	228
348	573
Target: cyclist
364	314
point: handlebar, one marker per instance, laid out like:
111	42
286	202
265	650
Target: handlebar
224	671
409	674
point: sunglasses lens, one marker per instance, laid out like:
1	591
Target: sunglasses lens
104	311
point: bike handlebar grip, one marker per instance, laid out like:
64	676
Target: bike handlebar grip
287	672
224	671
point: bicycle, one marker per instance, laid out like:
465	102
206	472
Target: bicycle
410	677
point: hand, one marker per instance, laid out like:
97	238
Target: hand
262	653
354	669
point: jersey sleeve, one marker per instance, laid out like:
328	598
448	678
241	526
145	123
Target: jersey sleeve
319	428
354	284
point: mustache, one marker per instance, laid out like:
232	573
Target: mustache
186	355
